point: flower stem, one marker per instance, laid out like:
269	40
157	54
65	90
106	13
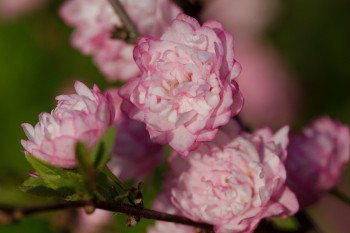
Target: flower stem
129	25
340	195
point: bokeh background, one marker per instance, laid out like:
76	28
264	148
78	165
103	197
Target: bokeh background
37	62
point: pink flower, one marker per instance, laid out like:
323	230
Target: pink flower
271	93
187	88
10	9
164	205
234	181
95	21
93	223
316	159
134	155
83	117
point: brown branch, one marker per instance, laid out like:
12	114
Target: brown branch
12	214
132	32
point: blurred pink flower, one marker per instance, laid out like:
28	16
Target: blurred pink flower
316	159
10	9
134	155
234	181
163	204
246	19
95	20
83	117
187	88
92	223
271	94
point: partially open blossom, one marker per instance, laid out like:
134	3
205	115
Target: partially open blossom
95	20
163	204
134	155
83	117
316	159
187	88
234	181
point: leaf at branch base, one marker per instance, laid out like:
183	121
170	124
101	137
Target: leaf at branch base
55	177
36	186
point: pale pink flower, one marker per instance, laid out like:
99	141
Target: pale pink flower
316	159
92	223
10	9
234	181
83	117
164	205
187	89
134	155
95	20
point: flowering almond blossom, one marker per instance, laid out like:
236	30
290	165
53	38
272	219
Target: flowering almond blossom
187	88
316	159
94	21
134	154
234	181
83	117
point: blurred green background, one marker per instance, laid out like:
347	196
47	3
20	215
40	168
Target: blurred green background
37	63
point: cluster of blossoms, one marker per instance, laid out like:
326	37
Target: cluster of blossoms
183	92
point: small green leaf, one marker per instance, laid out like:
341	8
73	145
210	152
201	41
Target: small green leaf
83	155
55	177
36	186
290	224
102	151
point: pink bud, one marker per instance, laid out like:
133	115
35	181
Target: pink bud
316	159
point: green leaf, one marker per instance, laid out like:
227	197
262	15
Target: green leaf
290	224
102	151
83	155
36	186
54	177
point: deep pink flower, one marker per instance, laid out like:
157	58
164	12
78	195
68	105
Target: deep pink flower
187	88
83	117
234	181
134	155
95	20
316	159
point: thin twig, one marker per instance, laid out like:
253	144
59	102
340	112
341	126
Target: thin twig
133	33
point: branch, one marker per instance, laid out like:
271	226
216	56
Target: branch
132	32
11	214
